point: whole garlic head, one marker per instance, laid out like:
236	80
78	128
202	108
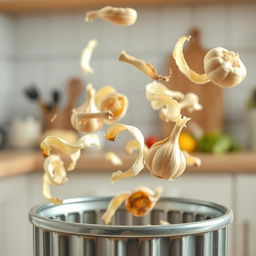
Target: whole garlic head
224	68
165	159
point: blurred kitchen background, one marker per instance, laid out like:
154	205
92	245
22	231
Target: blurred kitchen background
44	48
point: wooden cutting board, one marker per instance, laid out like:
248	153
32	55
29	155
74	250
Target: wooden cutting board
210	96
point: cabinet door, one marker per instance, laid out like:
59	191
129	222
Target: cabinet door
245	215
15	229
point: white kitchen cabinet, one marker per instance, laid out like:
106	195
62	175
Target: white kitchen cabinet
14	227
245	215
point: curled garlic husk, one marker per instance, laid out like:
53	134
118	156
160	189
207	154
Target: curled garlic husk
222	67
86	57
165	159
138	202
163	99
108	99
87	118
146	68
54	169
120	16
113	131
191	102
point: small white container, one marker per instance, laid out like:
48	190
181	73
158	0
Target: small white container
24	133
252	128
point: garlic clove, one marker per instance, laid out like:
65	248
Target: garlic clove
87	117
86	57
165	159
113	131
146	68
164	222
191	102
192	160
120	16
113	158
141	200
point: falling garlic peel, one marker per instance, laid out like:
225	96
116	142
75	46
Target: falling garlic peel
192	160
113	131
146	68
116	15
191	102
183	66
86	57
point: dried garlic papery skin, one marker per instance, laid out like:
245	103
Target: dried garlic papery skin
165	159
146	68
55	170
113	131
142	200
132	146
86	57
120	16
192	160
87	118
113	158
183	66
107	99
113	205
163	101
191	102
47	192
72	150
55	174
224	68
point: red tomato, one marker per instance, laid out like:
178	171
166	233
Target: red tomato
150	140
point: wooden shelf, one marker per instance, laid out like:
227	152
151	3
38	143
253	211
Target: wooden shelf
15	163
35	6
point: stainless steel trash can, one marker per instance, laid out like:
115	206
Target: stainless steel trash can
75	228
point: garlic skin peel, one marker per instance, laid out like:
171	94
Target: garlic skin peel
191	102
86	56
115	15
224	68
165	159
113	131
87	118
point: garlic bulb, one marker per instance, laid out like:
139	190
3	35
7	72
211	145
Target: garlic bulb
87	118
165	159
120	16
224	68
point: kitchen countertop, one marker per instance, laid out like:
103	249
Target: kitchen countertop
19	162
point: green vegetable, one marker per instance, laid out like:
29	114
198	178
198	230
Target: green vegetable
217	143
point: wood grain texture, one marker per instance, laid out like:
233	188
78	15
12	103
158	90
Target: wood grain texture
16	163
210	118
33	6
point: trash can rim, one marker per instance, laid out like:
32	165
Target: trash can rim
101	230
